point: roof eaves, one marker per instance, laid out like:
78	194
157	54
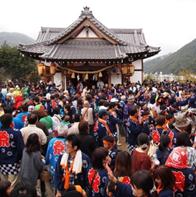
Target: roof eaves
107	31
66	31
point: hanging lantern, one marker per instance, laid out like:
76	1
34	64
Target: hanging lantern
100	74
131	69
41	69
86	77
124	69
73	76
52	68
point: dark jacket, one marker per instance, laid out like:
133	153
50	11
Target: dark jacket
88	144
31	167
97	181
123	190
113	121
102	132
80	179
133	130
185	177
11	146
166	193
162	155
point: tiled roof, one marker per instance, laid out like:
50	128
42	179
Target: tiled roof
84	49
37	48
130	41
133	36
87	14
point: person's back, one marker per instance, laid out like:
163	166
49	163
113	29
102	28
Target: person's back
134	128
87	144
184	182
74	128
163	151
31	128
11	146
182	163
56	147
140	161
139	158
87	141
87	113
31	165
47	121
20	120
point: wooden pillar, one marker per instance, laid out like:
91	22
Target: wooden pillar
109	78
63	80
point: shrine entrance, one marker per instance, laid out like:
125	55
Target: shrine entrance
88	79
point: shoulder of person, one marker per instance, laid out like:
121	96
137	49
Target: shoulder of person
85	157
85	161
166	193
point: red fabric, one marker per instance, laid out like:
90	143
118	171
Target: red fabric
156	136
109	97
126	180
178	158
54	104
171	137
58	147
140	161
179	181
4	139
24	118
18	101
95	182
95	129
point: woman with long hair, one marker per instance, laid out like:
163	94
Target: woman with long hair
122	168
32	164
164	182
120	181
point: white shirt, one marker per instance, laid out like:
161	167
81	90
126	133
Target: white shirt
88	116
74	128
30	129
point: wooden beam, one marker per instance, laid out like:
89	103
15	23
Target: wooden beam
85	23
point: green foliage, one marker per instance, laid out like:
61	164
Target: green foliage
13	65
184	58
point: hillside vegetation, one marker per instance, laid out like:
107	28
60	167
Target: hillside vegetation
183	59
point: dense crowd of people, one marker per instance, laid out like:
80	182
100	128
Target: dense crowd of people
72	141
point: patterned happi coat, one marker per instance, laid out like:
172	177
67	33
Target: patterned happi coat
97	180
56	147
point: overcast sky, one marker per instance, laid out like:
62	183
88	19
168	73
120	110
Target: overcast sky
169	24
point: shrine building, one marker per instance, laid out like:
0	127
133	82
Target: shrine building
89	51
